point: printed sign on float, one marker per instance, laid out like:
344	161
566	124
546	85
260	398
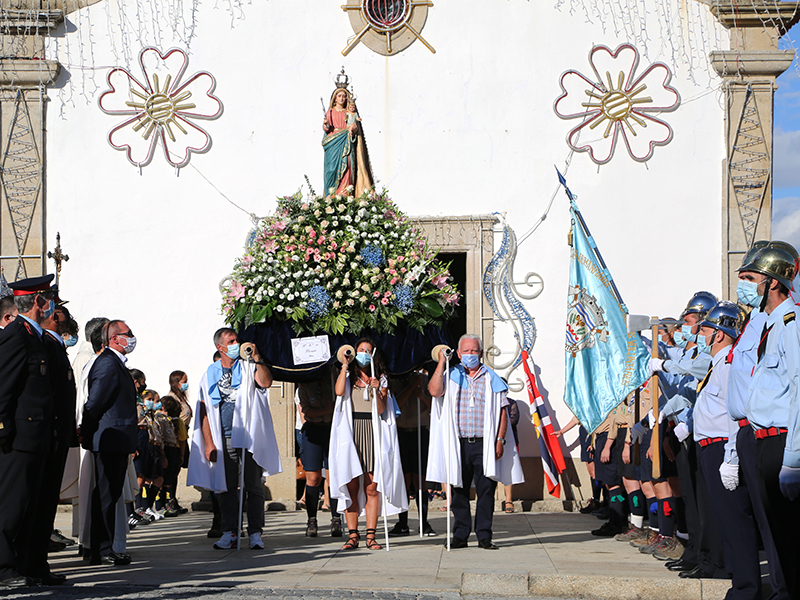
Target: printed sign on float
309	350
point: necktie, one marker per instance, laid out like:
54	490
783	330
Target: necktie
705	379
762	345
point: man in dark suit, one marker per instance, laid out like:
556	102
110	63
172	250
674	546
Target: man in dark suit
109	430
33	562
26	423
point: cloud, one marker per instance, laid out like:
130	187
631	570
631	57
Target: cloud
786	220
786	157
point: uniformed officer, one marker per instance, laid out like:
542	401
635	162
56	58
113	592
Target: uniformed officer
62	382
772	408
26	422
712	430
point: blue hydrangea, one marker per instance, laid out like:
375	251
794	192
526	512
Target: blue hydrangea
372	255
318	301
403	298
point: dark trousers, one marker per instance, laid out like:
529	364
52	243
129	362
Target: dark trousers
733	515
472	468
229	500
686	463
752	479
21	474
110	469
33	560
710	546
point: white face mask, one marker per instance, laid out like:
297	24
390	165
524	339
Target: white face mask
131	344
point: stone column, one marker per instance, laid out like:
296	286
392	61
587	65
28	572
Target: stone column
748	71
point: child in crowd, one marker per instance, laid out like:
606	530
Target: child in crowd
175	449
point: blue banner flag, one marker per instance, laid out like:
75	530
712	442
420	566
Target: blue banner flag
605	363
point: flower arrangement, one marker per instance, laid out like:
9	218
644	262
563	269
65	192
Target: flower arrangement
339	264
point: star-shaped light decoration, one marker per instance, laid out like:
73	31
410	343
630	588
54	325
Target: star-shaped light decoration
617	103
162	108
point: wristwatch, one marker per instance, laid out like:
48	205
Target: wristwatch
502	441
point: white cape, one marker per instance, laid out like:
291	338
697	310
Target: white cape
251	408
507	469
344	464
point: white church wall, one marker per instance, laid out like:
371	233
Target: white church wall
468	130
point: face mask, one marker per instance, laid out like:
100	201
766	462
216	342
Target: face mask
680	341
470	361
71	341
148	404
747	292
364	358
184	387
131	345
51	308
233	351
688	335
157	406
703	345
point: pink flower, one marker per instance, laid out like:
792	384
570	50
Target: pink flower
393	281
401	258
236	291
247	260
334	245
403	270
387	294
371	308
451	299
321	239
304	206
376	293
384	301
312	233
270	246
279	225
439	281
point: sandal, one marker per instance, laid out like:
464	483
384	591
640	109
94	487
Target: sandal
508	507
370	539
352	540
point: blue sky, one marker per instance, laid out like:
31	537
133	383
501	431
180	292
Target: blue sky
786	159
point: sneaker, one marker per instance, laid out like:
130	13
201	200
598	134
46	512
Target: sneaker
590	507
226	542
645	540
133	521
398	531
608	529
256	543
57	536
311	528
154	514
173	504
633	533
170	512
336	527
650	548
668	549
144	517
428	531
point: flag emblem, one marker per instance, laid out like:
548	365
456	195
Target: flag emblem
585	321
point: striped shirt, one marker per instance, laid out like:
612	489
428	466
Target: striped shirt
470	404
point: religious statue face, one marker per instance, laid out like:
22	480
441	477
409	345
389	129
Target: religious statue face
340	99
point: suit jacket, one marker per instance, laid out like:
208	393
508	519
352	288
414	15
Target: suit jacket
26	398
62	382
109	415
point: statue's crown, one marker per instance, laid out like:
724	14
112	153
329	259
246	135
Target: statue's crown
342	80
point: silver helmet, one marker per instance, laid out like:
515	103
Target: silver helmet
726	317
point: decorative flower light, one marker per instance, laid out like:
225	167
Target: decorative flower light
161	108
617	102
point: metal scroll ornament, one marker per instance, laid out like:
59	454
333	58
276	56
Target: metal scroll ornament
501	291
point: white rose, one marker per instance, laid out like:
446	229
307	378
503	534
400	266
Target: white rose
279	308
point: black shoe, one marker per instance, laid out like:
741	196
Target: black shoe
696	573
428	531
112	558
456	543
50	579
57	536
680	565
216	528
336	527
15	581
54	546
311	528
398	531
608	529
487	545
592	506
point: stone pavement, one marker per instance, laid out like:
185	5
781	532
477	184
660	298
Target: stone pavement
541	554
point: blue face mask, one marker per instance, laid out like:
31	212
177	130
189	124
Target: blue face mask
688	335
470	361
184	387
702	344
51	308
157	406
363	358
747	292
71	341
233	351
678	338
148	404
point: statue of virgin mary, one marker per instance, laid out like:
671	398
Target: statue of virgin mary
346	157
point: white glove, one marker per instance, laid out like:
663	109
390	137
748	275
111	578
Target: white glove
651	419
655	365
789	479
638	432
681	431
730	475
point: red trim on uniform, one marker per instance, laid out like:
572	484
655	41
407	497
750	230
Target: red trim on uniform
706	441
762	434
743	422
42	288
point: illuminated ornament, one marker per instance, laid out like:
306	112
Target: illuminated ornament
387	26
162	108
617	103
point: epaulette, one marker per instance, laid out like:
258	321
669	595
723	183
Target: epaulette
788	318
27	326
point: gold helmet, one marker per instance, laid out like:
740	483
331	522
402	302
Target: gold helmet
776	260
